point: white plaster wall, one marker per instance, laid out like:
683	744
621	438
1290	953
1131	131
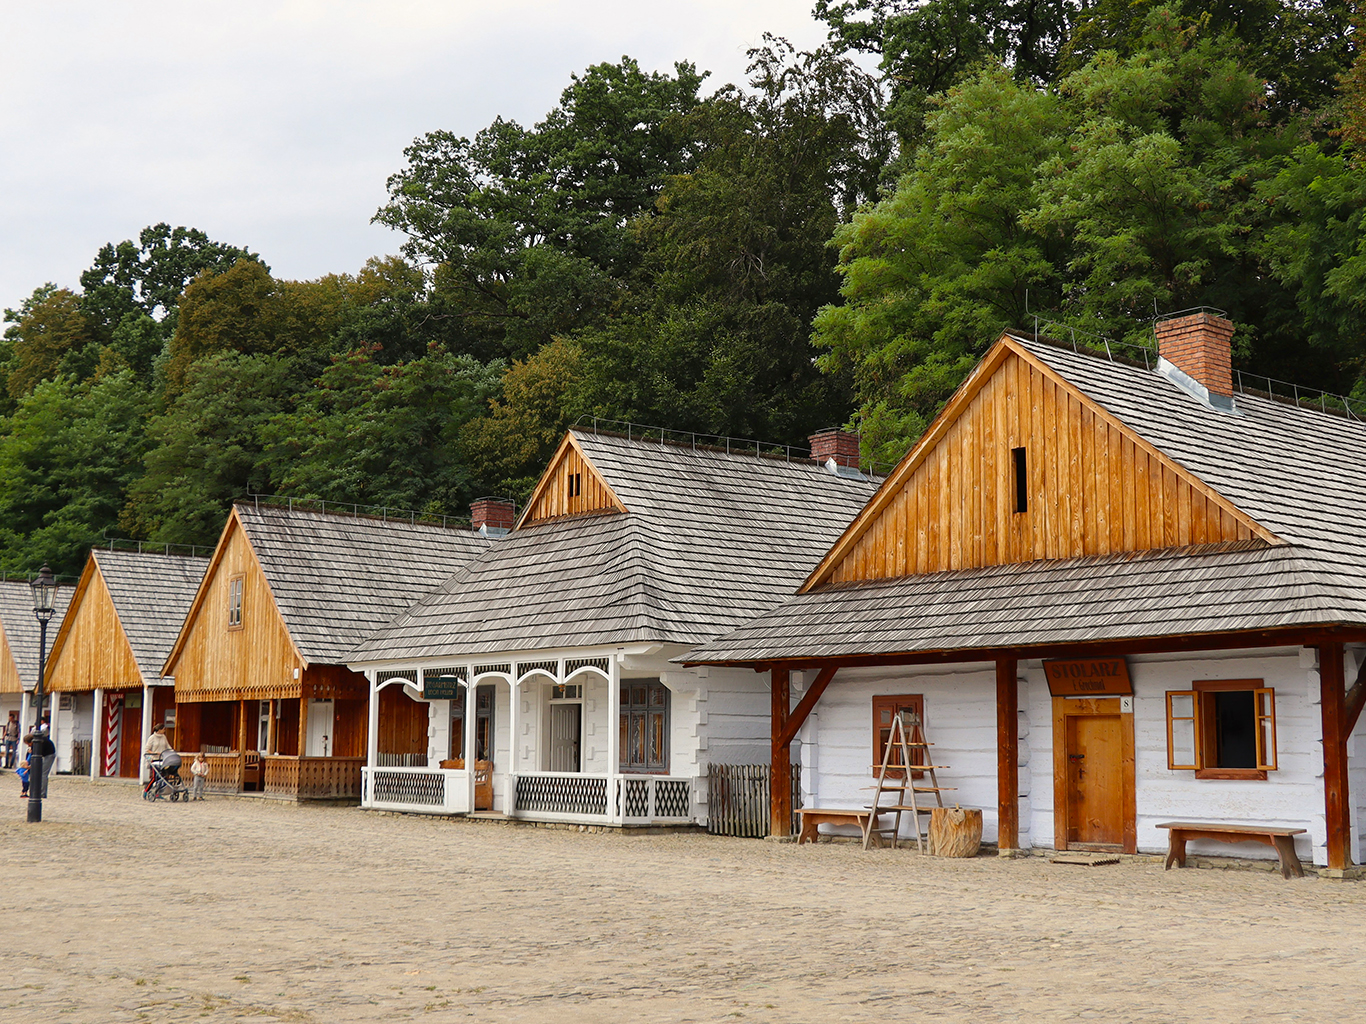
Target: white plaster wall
738	706
595	724
503	759
960	720
1356	761
438	732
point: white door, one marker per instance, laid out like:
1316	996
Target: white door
318	743
564	737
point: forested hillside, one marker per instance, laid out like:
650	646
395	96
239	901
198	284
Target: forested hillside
818	246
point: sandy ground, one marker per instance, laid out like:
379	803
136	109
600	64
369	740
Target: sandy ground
236	909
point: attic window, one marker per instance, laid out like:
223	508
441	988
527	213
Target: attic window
235	603
1021	480
575	484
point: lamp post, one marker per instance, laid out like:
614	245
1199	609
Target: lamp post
44	590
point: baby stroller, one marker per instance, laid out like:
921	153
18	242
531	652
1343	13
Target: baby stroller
165	779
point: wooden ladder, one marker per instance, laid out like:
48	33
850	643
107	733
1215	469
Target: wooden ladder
907	734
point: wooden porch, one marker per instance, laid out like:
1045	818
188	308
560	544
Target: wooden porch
284	776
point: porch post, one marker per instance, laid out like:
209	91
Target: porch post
97	735
1007	757
613	735
372	718
780	772
471	734
146	730
271	738
303	723
1336	806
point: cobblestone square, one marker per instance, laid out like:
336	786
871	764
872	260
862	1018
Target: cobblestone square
241	909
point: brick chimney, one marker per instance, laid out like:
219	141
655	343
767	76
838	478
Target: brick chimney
834	444
493	517
1199	347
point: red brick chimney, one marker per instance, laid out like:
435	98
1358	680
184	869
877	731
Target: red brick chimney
493	516
837	444
1199	345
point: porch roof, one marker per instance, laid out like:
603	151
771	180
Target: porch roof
151	594
709	540
1297	471
336	577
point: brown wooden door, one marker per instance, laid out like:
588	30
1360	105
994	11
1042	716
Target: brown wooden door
130	742
1095	779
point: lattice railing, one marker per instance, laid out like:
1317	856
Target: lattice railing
654	798
419	790
561	794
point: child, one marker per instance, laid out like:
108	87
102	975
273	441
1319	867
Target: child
22	772
200	771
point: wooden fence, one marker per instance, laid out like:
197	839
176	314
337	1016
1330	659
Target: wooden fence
738	799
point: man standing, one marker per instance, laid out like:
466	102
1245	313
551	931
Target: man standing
42	752
11	739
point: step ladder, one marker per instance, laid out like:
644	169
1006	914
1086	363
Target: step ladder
904	794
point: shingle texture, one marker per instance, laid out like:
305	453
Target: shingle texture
708	540
21	627
151	594
338	578
1296	471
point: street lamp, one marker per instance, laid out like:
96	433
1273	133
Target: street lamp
44	591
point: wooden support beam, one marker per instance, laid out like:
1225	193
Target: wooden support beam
780	772
1337	814
803	709
1007	754
1356	700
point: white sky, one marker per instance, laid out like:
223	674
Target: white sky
273	125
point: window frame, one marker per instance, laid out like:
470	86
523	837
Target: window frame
236	600
1203	724
915	701
645	713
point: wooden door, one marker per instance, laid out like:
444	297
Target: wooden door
318	742
565	723
130	740
1095	812
1093	769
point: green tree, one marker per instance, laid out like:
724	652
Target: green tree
49	333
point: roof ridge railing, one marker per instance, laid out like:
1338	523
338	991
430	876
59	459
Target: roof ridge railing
357	511
1301	396
29	575
1044	329
150	547
696	439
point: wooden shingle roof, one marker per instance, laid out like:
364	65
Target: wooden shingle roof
709	539
338	578
1293	470
151	594
21	627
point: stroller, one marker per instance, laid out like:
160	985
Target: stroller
165	779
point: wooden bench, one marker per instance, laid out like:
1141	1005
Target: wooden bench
812	817
1282	840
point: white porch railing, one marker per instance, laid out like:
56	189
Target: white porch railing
416	790
604	799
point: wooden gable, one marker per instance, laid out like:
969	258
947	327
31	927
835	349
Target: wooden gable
570	486
9	672
214	659
91	650
1092	486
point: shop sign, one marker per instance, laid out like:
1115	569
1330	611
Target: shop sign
440	687
1088	677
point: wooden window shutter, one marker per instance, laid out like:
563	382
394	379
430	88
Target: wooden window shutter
1184	735
1265	704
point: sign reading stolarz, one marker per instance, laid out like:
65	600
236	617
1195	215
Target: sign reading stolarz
1088	677
440	687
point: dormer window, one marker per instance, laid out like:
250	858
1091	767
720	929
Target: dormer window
235	602
575	484
1021	463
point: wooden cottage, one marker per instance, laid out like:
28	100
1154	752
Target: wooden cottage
1114	595
261	683
544	664
19	638
104	667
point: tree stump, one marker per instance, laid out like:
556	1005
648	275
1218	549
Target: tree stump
955	831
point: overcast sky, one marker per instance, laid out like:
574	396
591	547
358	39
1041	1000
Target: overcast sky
273	125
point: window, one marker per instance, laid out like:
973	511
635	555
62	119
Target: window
644	727
885	709
1021	480
235	602
575	484
1222	729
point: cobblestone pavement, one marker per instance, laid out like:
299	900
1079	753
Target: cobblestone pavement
238	909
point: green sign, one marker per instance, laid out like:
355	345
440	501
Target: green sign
440	687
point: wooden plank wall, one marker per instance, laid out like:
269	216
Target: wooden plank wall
95	652
1092	490
555	499
253	662
9	675
402	722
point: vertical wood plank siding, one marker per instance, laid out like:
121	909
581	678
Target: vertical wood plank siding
1092	489
96	651
257	660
